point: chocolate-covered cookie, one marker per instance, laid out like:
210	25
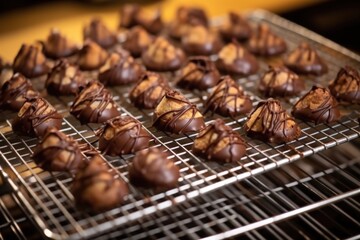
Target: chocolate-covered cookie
228	99
150	20
35	117
99	33
152	168
269	122
235	59
280	82
16	91
94	104
346	86
122	135
176	114
121	69
219	142
162	56
65	79
266	43
58	46
235	27
58	152
305	60
318	106
91	56
149	90
199	73
30	61
137	41
97	188
127	15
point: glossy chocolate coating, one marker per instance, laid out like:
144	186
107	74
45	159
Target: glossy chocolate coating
228	99
94	104
177	115
58	152
346	86
122	135
137	41
265	43
91	56
234	59
151	168
305	60
95	187
5	75
121	69
35	117
150	20
318	106
127	15
269	122
149	90
99	33
58	46
280	82
199	73
16	91
162	56
235	27
30	61
65	79
219	142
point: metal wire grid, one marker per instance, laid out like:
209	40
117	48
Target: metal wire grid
47	196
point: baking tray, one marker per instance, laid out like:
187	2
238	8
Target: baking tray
47	198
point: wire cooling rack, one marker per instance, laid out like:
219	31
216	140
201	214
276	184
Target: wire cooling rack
47	198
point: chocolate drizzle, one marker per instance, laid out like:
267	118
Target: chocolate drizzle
58	152
94	104
199	73
176	114
35	117
122	135
228	99
219	142
16	91
317	106
346	86
58	46
99	33
236	27
270	122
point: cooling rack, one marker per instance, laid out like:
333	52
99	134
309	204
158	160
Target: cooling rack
47	198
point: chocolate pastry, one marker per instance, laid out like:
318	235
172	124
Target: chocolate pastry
199	73
16	91
149	90
265	43
150	20
30	61
305	60
235	27
346	86
127	15
97	188
269	122
91	56
151	168
162	56
121	69
317	106
58	46
35	117
184	17
177	115
219	142
58	152
234	59
280	82
228	99
94	104
199	40
122	135
65	79
99	33
137	41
